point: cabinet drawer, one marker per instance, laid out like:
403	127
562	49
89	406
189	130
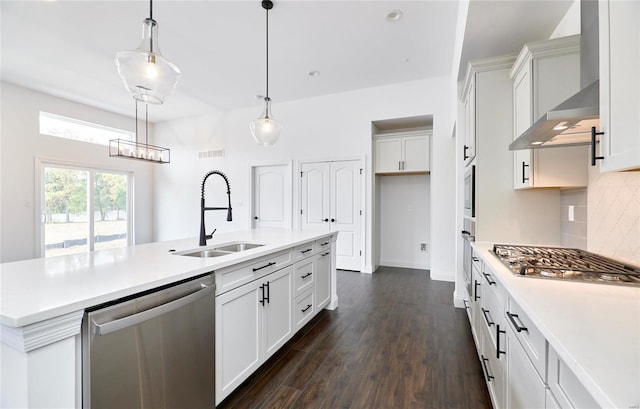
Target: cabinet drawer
531	339
323	244
491	283
303	251
492	313
304	309
565	387
238	275
494	372
304	275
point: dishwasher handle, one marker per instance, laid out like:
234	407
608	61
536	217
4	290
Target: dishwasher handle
135	319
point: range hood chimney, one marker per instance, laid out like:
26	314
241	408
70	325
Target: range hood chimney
570	123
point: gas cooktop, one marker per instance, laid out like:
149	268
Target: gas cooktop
566	264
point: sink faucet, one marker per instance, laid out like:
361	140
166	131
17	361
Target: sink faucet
203	236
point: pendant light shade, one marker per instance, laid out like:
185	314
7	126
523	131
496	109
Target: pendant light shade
146	74
265	129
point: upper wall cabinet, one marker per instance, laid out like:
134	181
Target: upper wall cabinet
406	153
545	74
619	84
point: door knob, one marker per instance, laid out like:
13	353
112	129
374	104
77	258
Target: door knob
325	220
333	220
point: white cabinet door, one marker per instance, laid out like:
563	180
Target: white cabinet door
323	279
315	195
619	84
345	213
469	148
388	154
238	333
331	191
278	321
525	389
271	189
522	119
415	153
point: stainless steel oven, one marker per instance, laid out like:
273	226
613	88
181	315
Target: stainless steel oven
470	191
468	234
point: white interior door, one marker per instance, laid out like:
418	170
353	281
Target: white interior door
345	213
315	195
271	196
330	199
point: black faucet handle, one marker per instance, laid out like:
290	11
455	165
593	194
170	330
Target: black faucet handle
210	236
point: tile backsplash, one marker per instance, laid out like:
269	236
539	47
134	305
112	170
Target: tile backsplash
574	232
614	215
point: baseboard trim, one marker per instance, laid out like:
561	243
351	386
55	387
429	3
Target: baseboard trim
443	276
404	264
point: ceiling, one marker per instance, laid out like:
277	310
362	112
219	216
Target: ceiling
67	48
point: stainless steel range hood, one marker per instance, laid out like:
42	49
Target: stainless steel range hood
570	123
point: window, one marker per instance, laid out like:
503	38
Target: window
69	128
84	209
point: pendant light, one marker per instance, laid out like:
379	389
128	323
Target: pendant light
146	74
266	130
123	148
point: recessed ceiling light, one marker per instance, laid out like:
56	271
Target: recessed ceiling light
394	15
314	73
406	60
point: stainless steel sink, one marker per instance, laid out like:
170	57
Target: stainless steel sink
206	253
217	251
239	247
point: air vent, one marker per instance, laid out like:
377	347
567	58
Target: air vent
219	153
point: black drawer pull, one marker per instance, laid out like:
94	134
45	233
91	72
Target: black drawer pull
265	266
489	279
466	304
476	297
518	327
305	251
306	275
306	309
325	254
486	318
486	370
324	244
498	332
476	259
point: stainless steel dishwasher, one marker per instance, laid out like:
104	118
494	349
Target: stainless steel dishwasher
152	350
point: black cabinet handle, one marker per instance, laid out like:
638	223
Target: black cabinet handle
475	259
518	327
486	370
306	275
593	146
466	304
333	220
325	220
306	309
265	266
255	217
262	289
486	317
305	251
489	279
498	332
326	242
268	297
325	254
464	152
475	290
524	165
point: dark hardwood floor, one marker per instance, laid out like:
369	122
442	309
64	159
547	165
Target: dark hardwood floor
395	341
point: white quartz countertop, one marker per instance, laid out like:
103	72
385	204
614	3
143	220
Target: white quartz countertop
39	289
595	328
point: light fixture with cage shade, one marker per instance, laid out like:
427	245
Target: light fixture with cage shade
145	72
265	129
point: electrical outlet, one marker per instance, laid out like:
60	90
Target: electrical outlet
423	246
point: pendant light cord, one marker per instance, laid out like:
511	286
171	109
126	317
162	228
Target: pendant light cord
151	9
267	37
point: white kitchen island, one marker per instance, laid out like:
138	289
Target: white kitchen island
42	302
593	329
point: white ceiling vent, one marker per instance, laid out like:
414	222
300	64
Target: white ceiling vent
219	153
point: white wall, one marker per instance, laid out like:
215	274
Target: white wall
404	220
570	23
22	143
328	127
